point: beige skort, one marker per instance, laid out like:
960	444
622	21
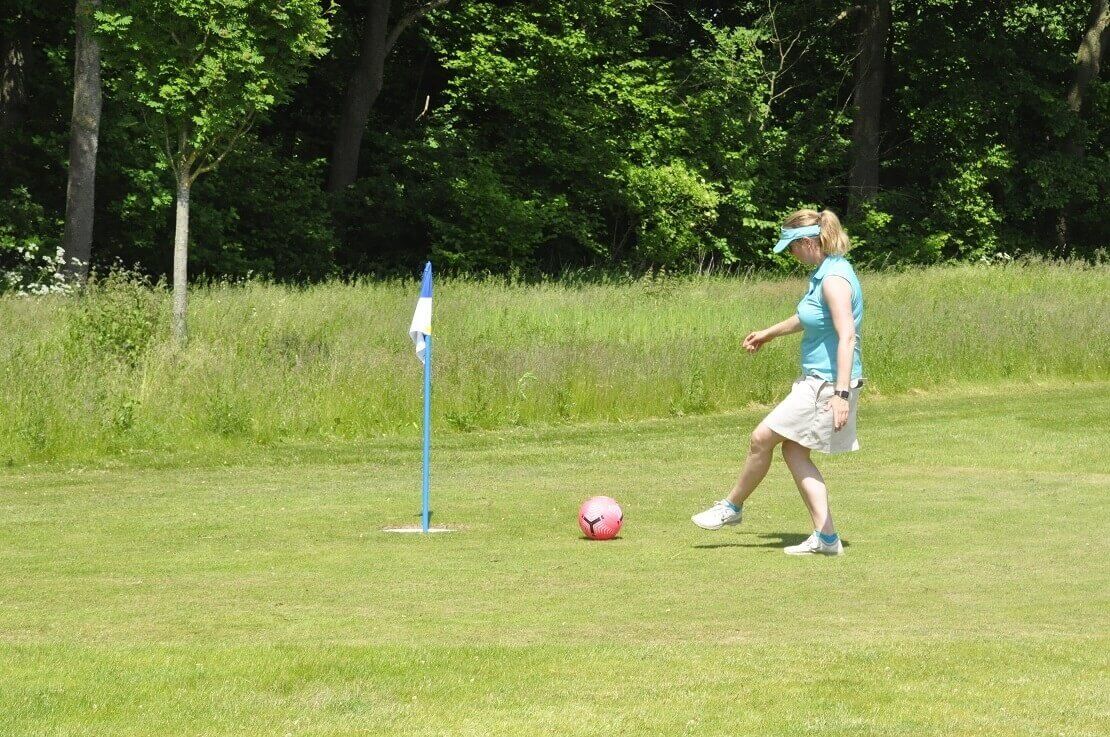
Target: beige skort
805	417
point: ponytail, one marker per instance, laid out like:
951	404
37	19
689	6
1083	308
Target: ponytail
834	241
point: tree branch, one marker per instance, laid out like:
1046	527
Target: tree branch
167	149
227	148
785	62
406	20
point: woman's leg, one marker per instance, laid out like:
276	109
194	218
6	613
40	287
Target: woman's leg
762	446
811	485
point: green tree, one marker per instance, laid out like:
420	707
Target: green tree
200	73
609	132
1087	62
379	37
978	109
539	135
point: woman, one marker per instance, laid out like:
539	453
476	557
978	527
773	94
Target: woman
820	412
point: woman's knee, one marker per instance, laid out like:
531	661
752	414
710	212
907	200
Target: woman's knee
763	439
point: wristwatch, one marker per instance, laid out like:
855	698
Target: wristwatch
843	394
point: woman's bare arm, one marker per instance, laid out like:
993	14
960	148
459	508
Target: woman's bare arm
838	296
790	325
756	339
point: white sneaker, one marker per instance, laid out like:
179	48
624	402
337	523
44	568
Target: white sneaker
717	516
814	546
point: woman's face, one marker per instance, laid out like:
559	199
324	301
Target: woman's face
807	250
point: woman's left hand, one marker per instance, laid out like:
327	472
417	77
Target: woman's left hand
839	407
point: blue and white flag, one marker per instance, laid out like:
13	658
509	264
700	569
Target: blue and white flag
421	326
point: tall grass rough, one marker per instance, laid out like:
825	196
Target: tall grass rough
95	375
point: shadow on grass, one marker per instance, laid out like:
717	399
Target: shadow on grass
775	540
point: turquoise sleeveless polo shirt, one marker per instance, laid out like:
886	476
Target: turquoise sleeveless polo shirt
819	341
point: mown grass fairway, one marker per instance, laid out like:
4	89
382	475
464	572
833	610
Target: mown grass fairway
255	595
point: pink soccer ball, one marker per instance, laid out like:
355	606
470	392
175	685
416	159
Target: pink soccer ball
600	518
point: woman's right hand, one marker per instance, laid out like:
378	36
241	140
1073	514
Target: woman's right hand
755	340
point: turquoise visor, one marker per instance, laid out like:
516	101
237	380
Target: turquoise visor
792	234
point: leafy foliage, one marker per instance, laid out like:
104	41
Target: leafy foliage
540	136
29	259
115	317
201	71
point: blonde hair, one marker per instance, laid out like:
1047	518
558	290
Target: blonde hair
834	241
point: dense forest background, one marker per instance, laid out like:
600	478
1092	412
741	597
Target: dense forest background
541	136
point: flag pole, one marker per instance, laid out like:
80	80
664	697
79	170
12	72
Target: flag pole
421	333
426	515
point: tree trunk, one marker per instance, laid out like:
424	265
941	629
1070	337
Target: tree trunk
1087	63
180	262
362	91
84	136
867	99
13	88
